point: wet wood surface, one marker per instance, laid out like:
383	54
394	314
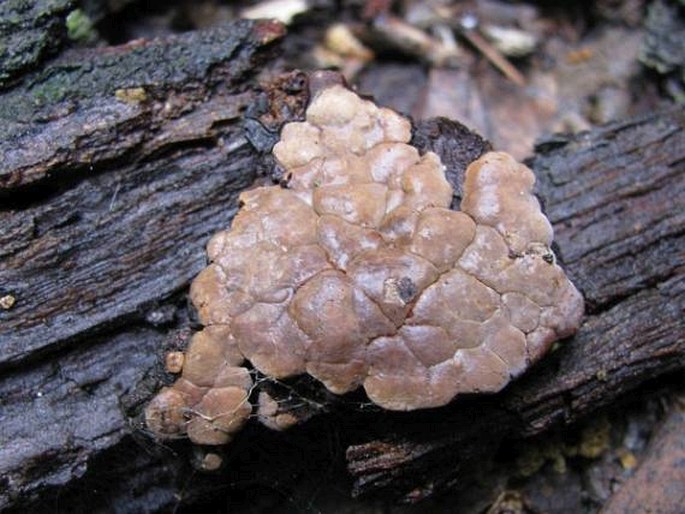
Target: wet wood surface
119	163
612	196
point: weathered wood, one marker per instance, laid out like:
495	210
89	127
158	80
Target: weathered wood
615	197
96	257
30	31
138	160
57	415
106	203
91	108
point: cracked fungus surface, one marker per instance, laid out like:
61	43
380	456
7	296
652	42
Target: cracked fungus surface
359	274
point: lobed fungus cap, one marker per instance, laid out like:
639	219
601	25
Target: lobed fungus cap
359	274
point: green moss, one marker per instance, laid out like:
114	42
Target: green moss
80	27
52	91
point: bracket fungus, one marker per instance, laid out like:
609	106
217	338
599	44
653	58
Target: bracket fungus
358	273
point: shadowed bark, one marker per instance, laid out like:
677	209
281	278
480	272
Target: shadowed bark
119	163
30	31
612	196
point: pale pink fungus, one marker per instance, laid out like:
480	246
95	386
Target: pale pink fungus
359	274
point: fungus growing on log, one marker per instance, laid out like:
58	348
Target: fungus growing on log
359	274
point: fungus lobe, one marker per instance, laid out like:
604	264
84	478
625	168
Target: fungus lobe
359	274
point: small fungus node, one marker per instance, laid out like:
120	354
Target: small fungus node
211	462
173	362
7	302
360	275
132	95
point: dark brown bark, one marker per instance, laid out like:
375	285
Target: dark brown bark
127	159
615	197
30	31
109	190
99	181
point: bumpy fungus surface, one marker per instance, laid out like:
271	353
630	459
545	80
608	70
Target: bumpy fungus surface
359	274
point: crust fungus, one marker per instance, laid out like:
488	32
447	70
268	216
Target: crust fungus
359	274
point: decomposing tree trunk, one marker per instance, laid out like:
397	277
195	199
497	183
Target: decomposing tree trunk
615	197
118	163
30	31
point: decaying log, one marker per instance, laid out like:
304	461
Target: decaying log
30	31
613	196
117	149
119	164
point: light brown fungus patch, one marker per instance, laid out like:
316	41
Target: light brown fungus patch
359	274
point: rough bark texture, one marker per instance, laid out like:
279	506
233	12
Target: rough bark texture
110	188
612	196
30	31
118	165
101	178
